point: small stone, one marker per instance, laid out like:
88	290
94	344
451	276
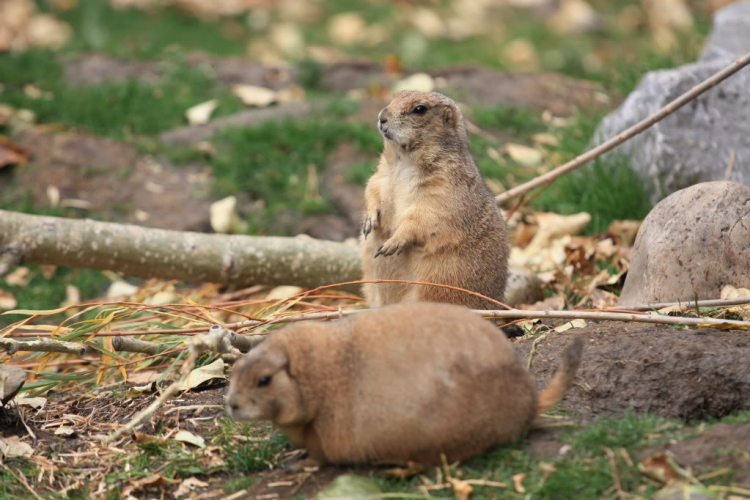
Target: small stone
12	379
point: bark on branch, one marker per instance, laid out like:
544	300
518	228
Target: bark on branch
184	256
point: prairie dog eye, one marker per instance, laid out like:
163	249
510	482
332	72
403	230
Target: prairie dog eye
264	381
420	110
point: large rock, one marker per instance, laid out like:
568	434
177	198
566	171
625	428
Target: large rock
709	138
693	243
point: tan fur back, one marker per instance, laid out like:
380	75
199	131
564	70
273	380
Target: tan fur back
429	216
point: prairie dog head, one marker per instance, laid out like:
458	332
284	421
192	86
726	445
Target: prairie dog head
261	387
416	120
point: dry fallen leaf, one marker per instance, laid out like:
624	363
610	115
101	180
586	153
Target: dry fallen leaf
664	468
35	403
12	153
65	430
224	217
283	292
203	374
201	113
190	438
253	95
428	22
421	82
7	300
12	446
524	155
545	139
576	323
188	485
121	288
347	28
21	276
461	489
521	55
573	16
518	482
152	481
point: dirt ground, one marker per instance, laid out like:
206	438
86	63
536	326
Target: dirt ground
693	374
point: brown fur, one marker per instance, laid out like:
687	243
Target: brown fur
428	214
392	385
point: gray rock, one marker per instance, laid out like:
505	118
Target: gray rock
709	138
12	379
693	243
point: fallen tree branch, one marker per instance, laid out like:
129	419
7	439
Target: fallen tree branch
185	256
636	129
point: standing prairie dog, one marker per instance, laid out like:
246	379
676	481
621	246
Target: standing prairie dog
428	214
398	384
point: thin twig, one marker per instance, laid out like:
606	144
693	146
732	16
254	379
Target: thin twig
489	314
612	316
45	345
689	304
636	129
615	475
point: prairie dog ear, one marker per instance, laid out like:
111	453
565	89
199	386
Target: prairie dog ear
450	115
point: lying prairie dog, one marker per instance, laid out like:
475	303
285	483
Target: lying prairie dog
398	384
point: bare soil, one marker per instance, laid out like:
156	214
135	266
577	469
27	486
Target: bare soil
110	179
690	375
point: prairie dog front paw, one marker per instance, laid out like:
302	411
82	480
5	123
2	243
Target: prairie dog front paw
370	222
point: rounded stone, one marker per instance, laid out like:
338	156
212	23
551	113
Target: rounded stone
691	245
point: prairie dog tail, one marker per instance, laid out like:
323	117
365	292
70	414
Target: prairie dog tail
563	378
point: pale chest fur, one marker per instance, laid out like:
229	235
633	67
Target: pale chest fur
402	191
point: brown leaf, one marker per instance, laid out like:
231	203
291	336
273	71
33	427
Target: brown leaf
518	480
7	300
12	153
461	489
664	468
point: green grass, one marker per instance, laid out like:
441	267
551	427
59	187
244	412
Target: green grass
132	33
10	487
584	472
45	294
608	190
244	457
117	110
279	162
